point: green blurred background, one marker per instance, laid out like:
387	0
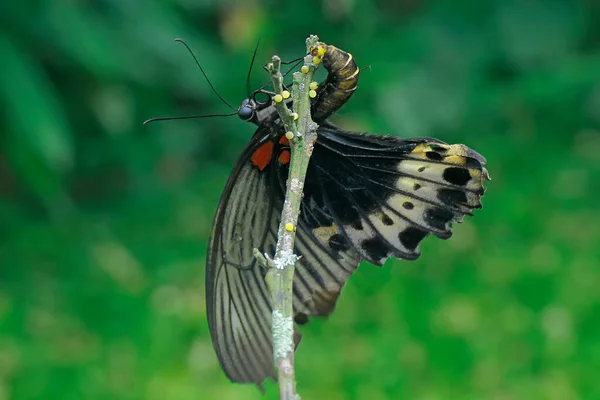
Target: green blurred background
104	222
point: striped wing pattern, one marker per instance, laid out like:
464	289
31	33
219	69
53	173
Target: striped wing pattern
365	197
238	306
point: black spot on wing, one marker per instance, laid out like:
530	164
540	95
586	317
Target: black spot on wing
375	248
411	237
338	243
457	176
357	224
386	220
438	218
408	205
432	155
452	196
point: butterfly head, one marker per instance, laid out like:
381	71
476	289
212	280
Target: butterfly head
254	109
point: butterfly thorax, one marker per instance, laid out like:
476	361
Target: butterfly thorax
262	114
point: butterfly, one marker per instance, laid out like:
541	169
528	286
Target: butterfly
366	197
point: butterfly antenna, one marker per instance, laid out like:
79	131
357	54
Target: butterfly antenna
204	73
250	70
189	117
293	67
296	61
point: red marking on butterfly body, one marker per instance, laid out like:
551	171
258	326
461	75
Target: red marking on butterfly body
284	157
262	156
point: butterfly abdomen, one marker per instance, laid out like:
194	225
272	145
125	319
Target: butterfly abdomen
341	82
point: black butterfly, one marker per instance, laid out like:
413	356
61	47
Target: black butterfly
366	197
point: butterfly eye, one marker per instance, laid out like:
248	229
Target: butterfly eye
246	113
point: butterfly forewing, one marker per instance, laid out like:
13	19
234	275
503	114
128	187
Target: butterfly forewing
238	304
238	308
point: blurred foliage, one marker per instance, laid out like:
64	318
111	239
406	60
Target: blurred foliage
104	222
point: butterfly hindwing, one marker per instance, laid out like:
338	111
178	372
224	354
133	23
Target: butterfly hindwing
379	196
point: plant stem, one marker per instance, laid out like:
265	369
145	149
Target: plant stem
280	274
